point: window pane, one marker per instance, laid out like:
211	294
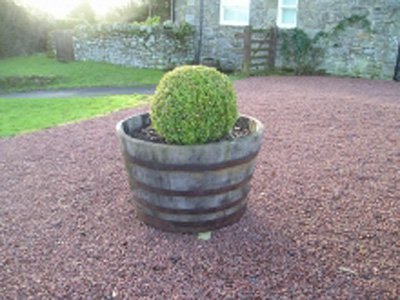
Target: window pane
289	2
242	3
288	16
236	15
235	12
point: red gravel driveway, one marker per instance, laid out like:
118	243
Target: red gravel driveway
323	219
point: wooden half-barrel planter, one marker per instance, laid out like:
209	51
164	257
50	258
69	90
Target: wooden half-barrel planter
189	188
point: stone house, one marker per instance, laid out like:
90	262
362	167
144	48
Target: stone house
356	51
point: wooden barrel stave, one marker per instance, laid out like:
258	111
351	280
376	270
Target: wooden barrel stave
192	204
190	227
184	181
191	217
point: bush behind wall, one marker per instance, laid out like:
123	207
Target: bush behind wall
20	32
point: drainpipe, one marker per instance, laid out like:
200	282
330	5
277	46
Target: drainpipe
200	35
173	17
396	76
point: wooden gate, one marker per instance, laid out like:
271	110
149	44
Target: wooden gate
64	45
259	49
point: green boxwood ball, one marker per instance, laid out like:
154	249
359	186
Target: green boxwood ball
193	105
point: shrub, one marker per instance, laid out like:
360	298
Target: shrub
193	105
300	51
22	82
20	32
151	21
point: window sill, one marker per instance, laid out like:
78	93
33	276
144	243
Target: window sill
286	26
233	24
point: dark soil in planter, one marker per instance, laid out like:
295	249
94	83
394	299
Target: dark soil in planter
240	129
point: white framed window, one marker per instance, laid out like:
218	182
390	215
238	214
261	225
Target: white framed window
234	12
287	13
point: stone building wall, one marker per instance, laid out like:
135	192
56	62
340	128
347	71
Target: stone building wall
133	45
355	51
222	42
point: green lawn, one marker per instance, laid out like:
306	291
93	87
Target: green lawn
40	72
24	115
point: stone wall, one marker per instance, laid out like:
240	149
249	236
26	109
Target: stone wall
222	42
134	45
356	51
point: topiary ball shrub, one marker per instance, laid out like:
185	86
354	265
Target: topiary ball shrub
193	105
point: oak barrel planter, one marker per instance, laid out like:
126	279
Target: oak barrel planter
189	188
